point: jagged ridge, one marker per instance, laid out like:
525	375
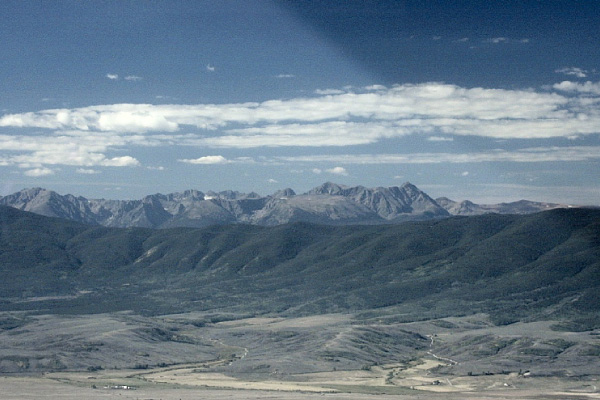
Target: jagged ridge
329	203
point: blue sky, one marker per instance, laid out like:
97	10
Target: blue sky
483	100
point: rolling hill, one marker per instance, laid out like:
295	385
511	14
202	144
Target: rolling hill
511	266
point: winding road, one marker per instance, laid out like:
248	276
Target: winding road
430	352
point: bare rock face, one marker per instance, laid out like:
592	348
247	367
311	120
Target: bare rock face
51	204
394	203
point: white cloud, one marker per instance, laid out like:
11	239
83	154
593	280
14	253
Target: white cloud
112	77
285	76
127	121
497	40
244	160
206	160
85	136
87	171
134	78
210	68
336	133
326	92
125	161
317	171
388	112
577	72
376	88
587	87
163	97
272	181
70	148
338	171
465	173
38	172
440	139
526	155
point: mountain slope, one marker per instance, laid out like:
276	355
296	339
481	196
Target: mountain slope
507	265
467	207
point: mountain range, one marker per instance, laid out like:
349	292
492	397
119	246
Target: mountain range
330	204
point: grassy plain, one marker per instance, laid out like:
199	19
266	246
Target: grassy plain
336	356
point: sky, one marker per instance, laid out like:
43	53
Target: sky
489	101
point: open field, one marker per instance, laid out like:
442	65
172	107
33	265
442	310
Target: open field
337	356
179	384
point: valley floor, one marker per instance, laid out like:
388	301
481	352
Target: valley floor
336	356
351	385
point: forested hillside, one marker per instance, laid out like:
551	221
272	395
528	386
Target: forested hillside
511	266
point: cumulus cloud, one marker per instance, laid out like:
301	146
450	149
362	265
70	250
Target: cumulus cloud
206	160
325	92
125	161
587	87
577	72
440	139
210	68
67	149
338	171
112	77
37	172
376	88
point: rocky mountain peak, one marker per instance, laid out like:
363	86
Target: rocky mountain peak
410	188
27	195
287	192
253	195
193	194
328	188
